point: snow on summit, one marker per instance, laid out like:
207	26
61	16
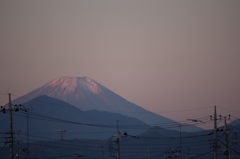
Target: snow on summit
74	84
91	84
69	83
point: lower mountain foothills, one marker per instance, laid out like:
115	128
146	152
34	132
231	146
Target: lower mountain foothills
47	114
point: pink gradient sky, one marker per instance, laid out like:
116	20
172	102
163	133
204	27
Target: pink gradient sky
160	55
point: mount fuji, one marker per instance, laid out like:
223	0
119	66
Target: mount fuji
86	94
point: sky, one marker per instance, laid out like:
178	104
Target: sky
175	58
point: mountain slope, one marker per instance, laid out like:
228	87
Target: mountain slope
86	94
49	114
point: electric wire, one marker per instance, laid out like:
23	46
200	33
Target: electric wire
228	147
228	109
201	154
3	147
170	124
48	118
116	111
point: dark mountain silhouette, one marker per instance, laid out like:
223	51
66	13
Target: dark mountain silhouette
86	94
49	116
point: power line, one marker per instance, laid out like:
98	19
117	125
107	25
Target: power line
171	111
229	147
200	155
48	118
229	110
3	147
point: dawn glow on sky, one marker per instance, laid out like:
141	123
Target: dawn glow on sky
175	58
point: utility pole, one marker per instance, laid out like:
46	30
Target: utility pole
102	151
10	126
26	110
148	151
62	133
27	137
174	153
42	150
174	156
117	136
226	139
118	150
10	109
18	144
180	140
215	133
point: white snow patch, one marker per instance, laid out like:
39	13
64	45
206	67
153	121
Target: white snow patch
69	83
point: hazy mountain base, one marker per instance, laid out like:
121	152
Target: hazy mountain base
48	116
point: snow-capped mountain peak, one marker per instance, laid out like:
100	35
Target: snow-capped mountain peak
86	94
